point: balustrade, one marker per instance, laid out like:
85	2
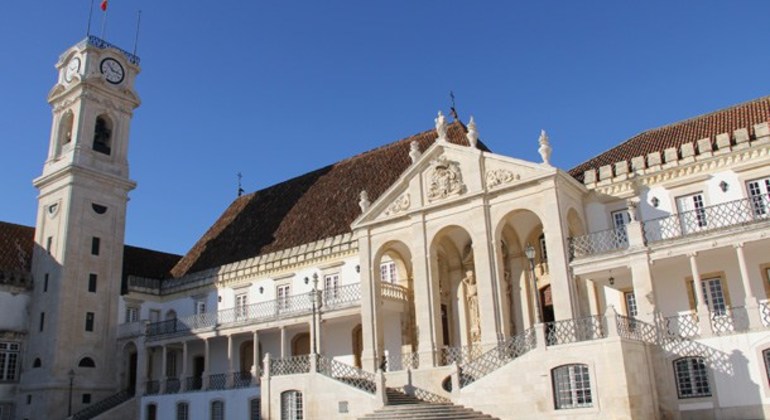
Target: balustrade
574	330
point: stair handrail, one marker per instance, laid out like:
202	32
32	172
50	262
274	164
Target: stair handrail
347	374
102	406
497	357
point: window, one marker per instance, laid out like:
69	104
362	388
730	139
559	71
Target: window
692	213
9	361
620	219
217	410
200	306
37	363
132	314
255	408
102	135
571	386
713	296
241	303
152	412
691	378
630	299
48	244
331	287
86	399
388	273
759	194
282	292
45	283
171	364
766	356
95	245
291	405
92	283
543	250
87	362
42	321
182	411
98	208
65	129
89	321
154	315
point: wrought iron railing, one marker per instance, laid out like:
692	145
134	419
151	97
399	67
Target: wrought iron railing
345	373
173	385
102	406
707	219
395	361
683	325
461	355
153	387
502	354
242	379
193	383
394	291
102	44
218	381
598	242
730	321
290	365
297	305
574	330
634	329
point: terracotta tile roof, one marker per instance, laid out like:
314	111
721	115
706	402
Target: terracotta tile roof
142	262
318	205
727	120
16	243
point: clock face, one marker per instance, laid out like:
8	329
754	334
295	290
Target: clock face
73	67
112	70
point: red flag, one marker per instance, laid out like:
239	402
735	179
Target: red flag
103	6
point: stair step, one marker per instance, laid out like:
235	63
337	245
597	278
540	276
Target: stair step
426	411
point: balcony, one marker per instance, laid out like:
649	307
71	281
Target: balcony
600	242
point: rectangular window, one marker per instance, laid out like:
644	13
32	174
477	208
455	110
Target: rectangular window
132	314
282	293
331	287
182	411
86	398
200	307
571	386
45	283
89	321
42	321
692	213
630	299
48	244
95	242
241	303
388	272
171	364
154	315
255	411
9	361
92	283
759	194
714	296
620	219
691	378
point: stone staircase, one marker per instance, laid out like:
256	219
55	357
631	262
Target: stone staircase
402	406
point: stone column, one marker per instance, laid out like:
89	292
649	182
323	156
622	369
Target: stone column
426	300
230	381
371	323
206	363
644	292
142	368
283	342
255	359
593	303
558	263
484	262
163	368
183	374
704	321
751	305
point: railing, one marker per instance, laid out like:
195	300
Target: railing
598	242
193	383
395	361
633	329
683	325
290	365
131	329
504	352
394	291
242	379
297	305
218	381
461	355
100	43
345	373
764	312
730	321
102	406
153	388
574	330
707	219
173	385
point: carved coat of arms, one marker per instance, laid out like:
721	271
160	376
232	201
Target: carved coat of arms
445	179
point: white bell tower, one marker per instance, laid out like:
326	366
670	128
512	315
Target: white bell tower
70	359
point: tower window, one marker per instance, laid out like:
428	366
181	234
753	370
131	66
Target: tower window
95	242
98	208
65	128
86	398
48	244
42	320
45	283
103	135
92	283
37	363
89	321
87	362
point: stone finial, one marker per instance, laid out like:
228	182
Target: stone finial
545	148
364	202
473	135
441	126
633	206
414	151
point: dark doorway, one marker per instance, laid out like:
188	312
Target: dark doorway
445	324
132	374
198	366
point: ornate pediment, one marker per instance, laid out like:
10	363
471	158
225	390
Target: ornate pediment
444	179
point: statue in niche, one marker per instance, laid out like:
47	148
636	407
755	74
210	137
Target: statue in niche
472	298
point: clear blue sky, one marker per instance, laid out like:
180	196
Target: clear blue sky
274	89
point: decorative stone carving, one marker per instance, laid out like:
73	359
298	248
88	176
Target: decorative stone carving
545	148
473	135
445	179
441	126
364	202
402	203
414	151
472	298
497	177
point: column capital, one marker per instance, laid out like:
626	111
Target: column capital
738	245
692	254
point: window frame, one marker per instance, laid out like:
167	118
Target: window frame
297	408
10	358
255	415
388	272
182	415
579	386
90	321
692	378
213	414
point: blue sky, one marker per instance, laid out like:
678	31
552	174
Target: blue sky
274	89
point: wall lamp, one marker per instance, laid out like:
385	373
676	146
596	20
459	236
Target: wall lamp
724	186
655	202
612	280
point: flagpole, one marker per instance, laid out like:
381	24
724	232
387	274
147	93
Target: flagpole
90	14
138	21
104	21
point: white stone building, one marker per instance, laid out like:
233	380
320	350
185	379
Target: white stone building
430	269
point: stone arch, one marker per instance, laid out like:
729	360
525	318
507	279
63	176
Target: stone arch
357	339
397	254
300	344
103	134
65	130
246	353
128	370
575	225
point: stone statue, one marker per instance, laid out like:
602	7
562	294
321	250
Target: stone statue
473	134
414	151
472	298
545	148
441	126
364	202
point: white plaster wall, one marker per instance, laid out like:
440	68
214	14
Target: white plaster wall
14	311
337	340
236	403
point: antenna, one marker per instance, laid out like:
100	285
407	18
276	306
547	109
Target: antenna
240	187
138	21
452	109
90	14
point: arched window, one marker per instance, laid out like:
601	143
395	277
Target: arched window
65	128
87	362
291	405
217	410
37	363
254	409
152	412
171	314
692	380
182	411
571	386
103	135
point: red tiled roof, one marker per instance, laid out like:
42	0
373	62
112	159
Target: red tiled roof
142	262
16	243
727	120
318	205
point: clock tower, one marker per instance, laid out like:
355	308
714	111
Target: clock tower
70	359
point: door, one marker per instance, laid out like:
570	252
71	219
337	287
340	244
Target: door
692	213
620	219
132	374
199	363
759	194
445	324
300	345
